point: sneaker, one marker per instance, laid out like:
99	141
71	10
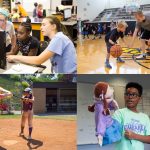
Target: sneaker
107	65
119	60
141	57
29	138
21	134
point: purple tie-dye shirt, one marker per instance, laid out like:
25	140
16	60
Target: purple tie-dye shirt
101	121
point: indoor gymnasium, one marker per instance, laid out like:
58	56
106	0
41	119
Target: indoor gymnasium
114	37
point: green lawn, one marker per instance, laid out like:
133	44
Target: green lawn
56	117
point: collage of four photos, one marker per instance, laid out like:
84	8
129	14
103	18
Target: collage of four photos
74	74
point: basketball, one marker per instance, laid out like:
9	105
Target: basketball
116	51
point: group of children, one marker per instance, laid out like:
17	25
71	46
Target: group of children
38	10
96	30
61	50
19	11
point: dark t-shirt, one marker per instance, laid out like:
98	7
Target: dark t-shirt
113	35
26	46
145	24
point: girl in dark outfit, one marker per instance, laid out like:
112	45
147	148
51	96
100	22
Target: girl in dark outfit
26	44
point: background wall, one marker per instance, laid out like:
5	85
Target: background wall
87	9
40	97
49	5
86	125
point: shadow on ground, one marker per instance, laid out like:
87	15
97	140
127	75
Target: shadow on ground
33	144
2	148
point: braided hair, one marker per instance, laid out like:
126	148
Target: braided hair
27	26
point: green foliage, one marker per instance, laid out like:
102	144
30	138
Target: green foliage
25	84
17	83
15	77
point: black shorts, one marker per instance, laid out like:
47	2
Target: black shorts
108	45
145	35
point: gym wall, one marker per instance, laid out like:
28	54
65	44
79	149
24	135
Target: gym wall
87	9
86	122
47	4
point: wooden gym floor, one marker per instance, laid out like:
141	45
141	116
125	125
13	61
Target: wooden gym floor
92	53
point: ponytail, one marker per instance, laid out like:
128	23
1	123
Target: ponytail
59	27
106	110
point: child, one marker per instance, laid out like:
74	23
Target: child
111	39
22	11
26	44
136	125
85	31
15	15
35	11
27	111
104	28
107	129
60	50
100	30
94	31
40	11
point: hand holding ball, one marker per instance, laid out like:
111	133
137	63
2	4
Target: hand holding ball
116	51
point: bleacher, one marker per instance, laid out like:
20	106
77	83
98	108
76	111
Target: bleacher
114	14
126	13
145	7
119	13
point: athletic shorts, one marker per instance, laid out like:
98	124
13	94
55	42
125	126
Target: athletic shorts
145	35
108	45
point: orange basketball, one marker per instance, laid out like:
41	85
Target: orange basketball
116	51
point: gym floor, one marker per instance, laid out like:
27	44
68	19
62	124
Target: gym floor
92	54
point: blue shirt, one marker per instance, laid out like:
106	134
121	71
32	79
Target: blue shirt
64	59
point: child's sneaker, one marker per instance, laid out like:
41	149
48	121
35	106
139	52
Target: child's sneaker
119	60
29	138
107	65
21	134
